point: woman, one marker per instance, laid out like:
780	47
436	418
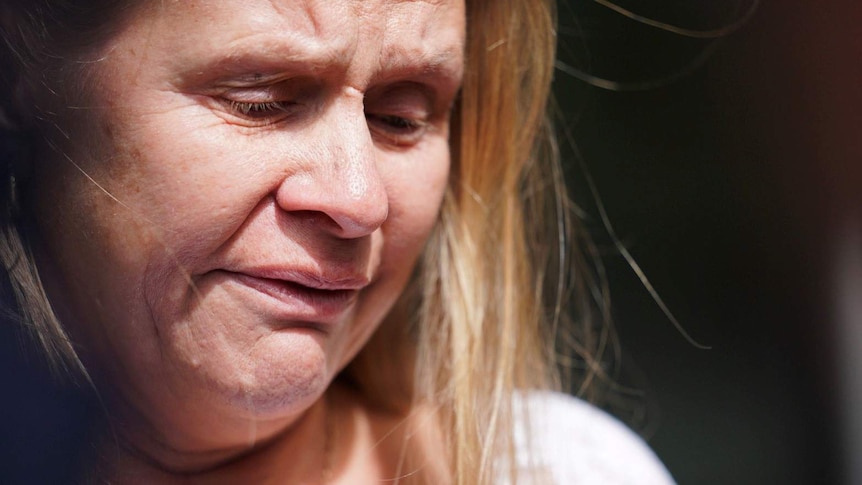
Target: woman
287	241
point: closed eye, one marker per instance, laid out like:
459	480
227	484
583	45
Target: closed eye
268	104
261	110
397	130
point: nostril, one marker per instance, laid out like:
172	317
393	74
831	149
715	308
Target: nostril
366	217
333	207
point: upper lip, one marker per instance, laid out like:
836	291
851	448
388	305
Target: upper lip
331	279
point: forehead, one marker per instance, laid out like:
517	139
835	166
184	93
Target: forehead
328	32
308	12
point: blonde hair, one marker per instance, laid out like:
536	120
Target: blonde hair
488	315
483	323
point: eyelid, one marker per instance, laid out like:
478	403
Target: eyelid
408	100
406	92
254	88
257	90
254	94
267	103
401	115
397	132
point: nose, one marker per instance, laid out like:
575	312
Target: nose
339	184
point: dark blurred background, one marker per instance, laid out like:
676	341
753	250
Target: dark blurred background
733	182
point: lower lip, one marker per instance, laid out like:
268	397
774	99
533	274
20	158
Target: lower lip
297	302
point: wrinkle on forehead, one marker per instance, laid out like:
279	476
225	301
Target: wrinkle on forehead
357	8
401	35
312	14
366	6
387	34
421	28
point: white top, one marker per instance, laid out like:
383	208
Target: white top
576	443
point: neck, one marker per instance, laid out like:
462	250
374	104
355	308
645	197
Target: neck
297	453
338	440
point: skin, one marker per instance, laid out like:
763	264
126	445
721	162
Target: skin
243	200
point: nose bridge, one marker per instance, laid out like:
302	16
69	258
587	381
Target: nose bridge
351	153
341	179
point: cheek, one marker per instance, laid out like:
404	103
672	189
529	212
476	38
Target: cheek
198	182
417	197
416	191
188	175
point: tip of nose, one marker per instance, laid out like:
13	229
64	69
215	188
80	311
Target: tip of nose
365	218
343	215
352	196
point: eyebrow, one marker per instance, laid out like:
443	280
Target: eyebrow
446	64
267	56
448	59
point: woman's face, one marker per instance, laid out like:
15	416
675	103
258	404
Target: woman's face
247	188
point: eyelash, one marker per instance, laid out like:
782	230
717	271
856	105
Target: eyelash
393	129
398	130
259	110
398	122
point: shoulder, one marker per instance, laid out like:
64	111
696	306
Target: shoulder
575	442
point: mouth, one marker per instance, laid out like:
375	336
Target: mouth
299	296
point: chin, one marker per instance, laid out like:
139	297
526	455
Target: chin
280	376
268	402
